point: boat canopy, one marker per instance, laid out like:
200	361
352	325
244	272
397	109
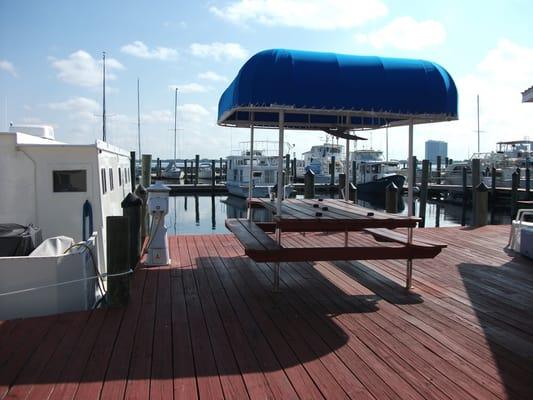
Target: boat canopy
336	92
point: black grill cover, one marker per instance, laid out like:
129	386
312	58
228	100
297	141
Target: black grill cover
18	240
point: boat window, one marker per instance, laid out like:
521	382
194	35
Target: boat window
110	179
70	181
256	174
104	183
119	176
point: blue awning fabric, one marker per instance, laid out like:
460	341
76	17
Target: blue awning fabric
327	91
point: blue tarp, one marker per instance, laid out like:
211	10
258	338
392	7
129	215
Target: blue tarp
323	90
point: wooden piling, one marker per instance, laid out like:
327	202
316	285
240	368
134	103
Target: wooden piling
213	175
158	166
294	169
309	185
287	168
481	209
342	182
354	172
528	183
118	260
196	168
220	170
332	171
413	178
514	193
423	193
391	198
133	172
146	170
185	171
439	161
353	192
446	162
476	179
492	195
141	192
465	194
132	208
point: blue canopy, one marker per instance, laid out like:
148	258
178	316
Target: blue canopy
336	92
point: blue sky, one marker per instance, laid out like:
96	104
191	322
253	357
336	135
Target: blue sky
50	68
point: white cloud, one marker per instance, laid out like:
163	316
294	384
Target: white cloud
139	49
212	76
78	108
190	88
219	51
193	112
81	69
8	67
307	14
406	33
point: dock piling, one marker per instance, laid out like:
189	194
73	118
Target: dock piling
492	195
146	170
481	209
439	161
353	192
118	260
141	192
132	208
196	168
413	178
391	198
332	171
213	175
476	180
354	172
133	173
463	210
528	183
514	193
423	193
309	185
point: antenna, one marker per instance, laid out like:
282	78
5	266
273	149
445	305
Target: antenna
138	117
103	99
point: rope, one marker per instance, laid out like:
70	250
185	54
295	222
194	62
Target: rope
95	266
130	271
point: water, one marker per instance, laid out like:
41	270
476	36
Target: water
206	214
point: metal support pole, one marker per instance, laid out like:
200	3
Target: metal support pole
279	194
250	179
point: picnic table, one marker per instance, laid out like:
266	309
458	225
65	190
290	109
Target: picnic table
329	215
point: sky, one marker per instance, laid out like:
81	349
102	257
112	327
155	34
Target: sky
51	71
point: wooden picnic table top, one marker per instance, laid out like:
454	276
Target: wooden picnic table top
323	215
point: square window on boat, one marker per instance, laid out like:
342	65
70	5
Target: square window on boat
70	180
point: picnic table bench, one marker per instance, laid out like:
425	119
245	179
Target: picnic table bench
334	215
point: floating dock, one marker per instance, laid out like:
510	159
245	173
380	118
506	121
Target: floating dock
209	327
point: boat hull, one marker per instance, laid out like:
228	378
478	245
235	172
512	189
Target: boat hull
242	191
379	185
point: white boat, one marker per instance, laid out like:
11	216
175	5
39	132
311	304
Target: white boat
172	171
319	160
66	190
264	175
373	173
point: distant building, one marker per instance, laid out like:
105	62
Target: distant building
527	95
436	148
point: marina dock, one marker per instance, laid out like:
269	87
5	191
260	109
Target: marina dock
209	327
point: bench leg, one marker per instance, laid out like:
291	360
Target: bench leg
409	275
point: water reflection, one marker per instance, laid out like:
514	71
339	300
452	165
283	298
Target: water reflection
210	212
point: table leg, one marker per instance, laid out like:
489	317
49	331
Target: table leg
409	272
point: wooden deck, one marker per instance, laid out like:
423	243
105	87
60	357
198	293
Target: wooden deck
209	327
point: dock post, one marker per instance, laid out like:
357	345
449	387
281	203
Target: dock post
118	260
196	168
185	171
439	161
446	162
391	198
158	168
132	208
514	193
220	171
353	193
492	194
332	171
146	166
294	176
476	180
518	173
141	192
423	193
482	205
463	211
354	172
528	183
342	182
213	175
133	173
191	172
309	185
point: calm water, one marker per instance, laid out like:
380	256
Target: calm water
206	214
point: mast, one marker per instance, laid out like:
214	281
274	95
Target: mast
478	124
175	121
103	99
138	118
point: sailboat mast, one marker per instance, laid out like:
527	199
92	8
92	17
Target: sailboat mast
175	120
478	150
103	99
138	117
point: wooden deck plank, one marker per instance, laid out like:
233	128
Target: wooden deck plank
209	326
